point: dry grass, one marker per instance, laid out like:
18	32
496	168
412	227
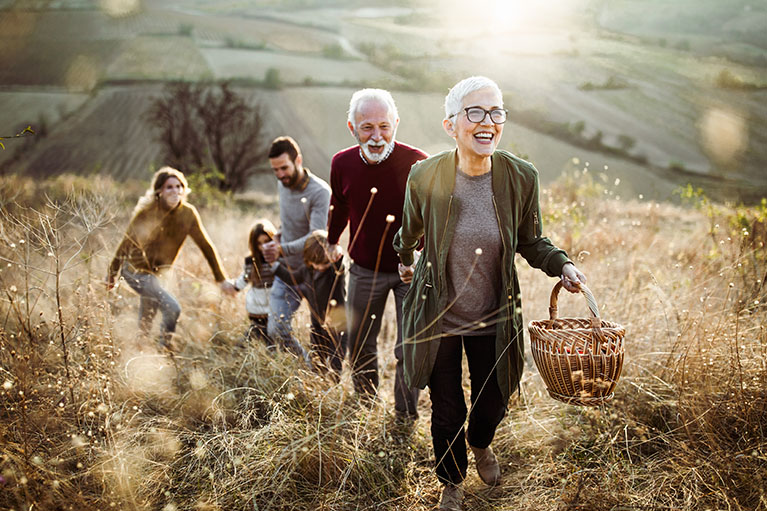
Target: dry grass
91	417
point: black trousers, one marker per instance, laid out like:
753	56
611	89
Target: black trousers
448	407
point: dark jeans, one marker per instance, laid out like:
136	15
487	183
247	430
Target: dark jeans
257	329
365	304
329	346
448	408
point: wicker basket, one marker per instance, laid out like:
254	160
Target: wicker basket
579	359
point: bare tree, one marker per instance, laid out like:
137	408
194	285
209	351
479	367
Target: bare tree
210	129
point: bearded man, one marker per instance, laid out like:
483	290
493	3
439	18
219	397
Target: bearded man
367	184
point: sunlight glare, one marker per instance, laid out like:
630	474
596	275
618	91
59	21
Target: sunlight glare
120	8
725	135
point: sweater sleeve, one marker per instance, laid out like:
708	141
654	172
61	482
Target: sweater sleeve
407	237
338	215
318	204
537	249
292	278
200	236
122	251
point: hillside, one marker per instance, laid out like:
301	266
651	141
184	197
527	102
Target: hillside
580	84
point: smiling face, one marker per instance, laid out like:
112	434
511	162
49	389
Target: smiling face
286	170
171	193
374	128
476	139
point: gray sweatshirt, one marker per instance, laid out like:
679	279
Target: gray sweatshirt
301	212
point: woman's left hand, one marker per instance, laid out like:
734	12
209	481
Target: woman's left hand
227	288
572	278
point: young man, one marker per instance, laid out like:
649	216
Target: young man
304	200
368	191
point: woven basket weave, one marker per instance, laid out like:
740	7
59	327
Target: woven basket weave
579	359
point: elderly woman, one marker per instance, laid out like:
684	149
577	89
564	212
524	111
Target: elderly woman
476	207
162	219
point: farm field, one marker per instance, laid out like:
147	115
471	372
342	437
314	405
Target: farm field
228	64
667	107
158	58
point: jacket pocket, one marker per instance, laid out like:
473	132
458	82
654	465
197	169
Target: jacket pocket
419	315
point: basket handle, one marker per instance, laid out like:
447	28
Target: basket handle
592	303
596	322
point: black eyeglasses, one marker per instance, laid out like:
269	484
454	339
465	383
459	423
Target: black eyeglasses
477	114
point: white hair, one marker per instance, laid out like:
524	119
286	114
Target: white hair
454	98
363	95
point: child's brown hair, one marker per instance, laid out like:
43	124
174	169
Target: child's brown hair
262	226
316	248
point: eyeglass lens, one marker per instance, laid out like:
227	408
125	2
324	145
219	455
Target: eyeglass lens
476	114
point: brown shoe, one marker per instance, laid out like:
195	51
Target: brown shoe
452	498
487	465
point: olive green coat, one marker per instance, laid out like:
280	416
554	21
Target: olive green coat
430	210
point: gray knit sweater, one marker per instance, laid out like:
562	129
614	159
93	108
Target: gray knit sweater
302	211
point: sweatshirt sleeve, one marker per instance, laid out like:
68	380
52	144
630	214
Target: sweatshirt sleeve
537	249
122	251
338	215
200	236
318	203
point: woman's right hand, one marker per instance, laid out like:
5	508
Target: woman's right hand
406	273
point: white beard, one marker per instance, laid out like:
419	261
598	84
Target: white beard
376	157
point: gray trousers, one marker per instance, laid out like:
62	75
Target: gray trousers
152	297
367	296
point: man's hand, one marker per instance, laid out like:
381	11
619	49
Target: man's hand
227	288
271	251
335	252
572	278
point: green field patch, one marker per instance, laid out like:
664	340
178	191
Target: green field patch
231	63
166	58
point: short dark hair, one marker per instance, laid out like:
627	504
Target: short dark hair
316	248
282	145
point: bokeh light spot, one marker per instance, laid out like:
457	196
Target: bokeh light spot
724	134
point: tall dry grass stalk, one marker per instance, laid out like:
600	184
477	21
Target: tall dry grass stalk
219	427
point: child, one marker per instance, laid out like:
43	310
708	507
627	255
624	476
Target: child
324	285
258	273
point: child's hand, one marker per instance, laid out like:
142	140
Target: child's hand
335	252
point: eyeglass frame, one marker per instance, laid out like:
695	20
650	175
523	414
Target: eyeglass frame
487	112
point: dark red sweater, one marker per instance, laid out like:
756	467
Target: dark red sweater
351	180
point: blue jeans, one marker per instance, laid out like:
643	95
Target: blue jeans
284	301
152	297
365	304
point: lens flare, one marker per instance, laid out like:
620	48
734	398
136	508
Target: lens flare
724	135
120	8
82	74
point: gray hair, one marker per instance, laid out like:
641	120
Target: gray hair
363	95
454	98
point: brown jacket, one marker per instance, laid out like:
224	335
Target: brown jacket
154	238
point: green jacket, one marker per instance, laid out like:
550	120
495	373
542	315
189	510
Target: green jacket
430	210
